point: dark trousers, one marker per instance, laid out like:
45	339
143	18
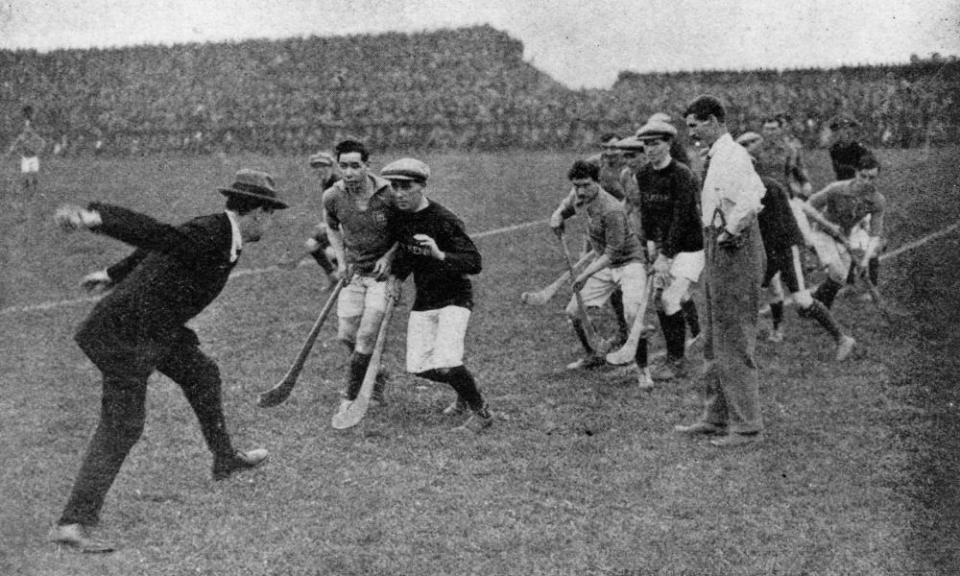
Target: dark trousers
732	290
122	412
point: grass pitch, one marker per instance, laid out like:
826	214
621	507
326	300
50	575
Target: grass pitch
581	474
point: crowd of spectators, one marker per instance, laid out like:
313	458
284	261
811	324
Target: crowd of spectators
467	88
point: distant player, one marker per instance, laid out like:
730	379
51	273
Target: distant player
29	144
780	156
846	151
631	148
839	242
610	162
318	245
435	248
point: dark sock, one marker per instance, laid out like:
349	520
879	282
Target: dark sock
692	317
674	332
616	302
582	335
641	354
324	262
873	270
776	312
462	381
822	315
852	274
827	291
358	369
435	375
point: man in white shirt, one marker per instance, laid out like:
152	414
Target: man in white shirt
730	202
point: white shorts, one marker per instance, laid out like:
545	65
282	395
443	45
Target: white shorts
362	293
631	279
832	255
435	338
29	165
688	265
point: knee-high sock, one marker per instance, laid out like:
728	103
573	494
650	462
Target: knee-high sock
817	311
827	291
357	370
852	274
324	262
873	270
674	333
616	302
691	316
776	313
461	380
641	354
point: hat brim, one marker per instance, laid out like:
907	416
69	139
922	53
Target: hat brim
655	136
630	144
267	200
407	176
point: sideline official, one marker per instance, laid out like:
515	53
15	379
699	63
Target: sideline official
730	201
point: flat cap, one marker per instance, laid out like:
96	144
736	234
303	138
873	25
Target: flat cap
406	169
748	138
661	116
321	159
630	143
656	130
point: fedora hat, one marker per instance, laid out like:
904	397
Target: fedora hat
255	184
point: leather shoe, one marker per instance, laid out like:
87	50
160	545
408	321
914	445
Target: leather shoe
75	535
700	427
224	467
734	440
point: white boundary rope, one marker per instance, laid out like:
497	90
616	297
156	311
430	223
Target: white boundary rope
54	304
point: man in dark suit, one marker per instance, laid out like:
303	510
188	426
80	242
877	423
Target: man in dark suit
139	327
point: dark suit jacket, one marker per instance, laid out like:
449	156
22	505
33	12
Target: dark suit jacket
174	273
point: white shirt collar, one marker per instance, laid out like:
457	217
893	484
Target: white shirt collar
236	244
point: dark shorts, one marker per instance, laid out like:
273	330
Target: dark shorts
787	262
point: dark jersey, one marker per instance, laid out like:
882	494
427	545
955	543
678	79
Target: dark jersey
439	283
778	226
846	157
668	208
